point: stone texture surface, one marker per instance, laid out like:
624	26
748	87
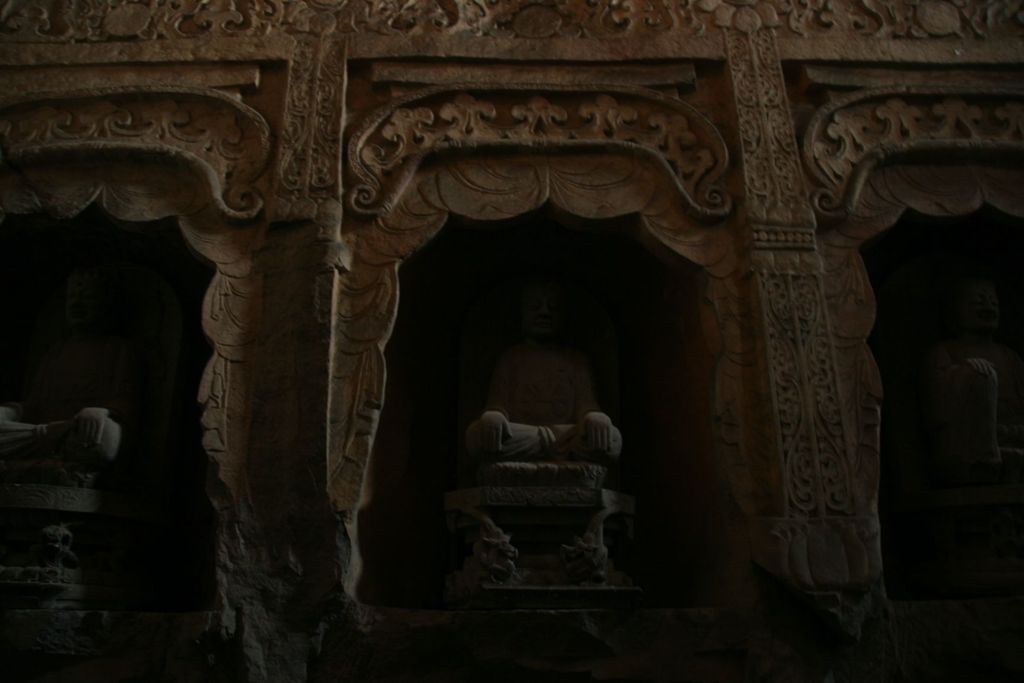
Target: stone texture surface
309	152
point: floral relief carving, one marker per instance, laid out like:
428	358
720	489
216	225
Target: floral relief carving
803	374
227	139
118	20
851	136
390	145
914	19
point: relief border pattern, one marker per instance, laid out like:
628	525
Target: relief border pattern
121	20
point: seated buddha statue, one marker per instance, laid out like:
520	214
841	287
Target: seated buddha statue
974	392
542	419
82	404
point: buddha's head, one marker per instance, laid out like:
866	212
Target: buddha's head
88	301
542	310
973	305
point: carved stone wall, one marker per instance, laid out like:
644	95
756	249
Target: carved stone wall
305	149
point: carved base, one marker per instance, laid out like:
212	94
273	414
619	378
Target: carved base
539	546
72	547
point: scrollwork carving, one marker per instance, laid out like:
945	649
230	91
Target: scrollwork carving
771	166
309	169
855	133
386	150
908	19
227	140
119	20
803	375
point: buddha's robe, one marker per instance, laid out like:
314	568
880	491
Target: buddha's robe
544	392
976	420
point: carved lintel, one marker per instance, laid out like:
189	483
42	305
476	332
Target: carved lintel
856	133
388	147
225	141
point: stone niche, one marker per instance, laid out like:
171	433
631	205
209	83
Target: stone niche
637	317
122	524
952	497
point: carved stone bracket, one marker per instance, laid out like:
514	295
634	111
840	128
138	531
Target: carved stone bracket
388	147
856	133
217	136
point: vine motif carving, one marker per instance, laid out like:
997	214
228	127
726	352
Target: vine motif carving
226	137
771	162
908	19
120	20
805	387
852	135
388	148
309	170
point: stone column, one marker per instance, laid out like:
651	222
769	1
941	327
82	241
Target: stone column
823	540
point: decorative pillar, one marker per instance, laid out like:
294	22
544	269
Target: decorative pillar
823	539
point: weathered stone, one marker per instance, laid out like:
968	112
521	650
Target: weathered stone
733	180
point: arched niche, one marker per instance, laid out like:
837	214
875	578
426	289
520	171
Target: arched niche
63	161
150	504
610	225
913	222
102	160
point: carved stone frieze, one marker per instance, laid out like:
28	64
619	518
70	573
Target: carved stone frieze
913	19
852	135
118	20
387	148
222	138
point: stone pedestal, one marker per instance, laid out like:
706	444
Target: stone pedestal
62	546
539	547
